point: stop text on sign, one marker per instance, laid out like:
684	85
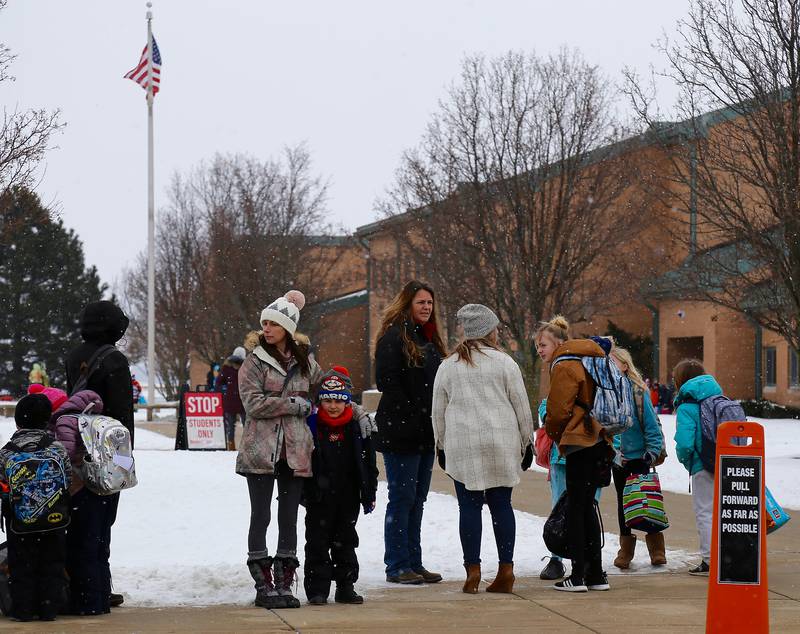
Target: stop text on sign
203	405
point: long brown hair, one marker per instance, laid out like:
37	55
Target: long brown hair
299	351
465	348
398	313
687	369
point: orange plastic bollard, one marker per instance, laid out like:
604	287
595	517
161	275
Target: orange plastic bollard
737	580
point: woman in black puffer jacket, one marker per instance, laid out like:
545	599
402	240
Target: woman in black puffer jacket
407	354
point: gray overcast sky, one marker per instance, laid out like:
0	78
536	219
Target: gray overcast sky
356	80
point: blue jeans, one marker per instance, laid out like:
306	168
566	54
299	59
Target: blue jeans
470	525
409	478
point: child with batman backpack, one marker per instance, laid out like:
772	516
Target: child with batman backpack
35	476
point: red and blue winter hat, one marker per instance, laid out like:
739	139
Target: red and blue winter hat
336	385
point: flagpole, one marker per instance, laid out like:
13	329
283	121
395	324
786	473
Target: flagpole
151	226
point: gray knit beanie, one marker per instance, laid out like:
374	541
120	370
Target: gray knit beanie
477	320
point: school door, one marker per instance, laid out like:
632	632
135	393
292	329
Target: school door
683	348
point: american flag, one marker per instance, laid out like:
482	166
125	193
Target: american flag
139	74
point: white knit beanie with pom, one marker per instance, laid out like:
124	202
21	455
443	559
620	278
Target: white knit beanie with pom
285	311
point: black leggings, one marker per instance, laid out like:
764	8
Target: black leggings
620	475
585	471
260	487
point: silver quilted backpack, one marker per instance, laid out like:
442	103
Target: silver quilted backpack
108	466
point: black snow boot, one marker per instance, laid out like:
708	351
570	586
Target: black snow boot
266	594
347	594
284	569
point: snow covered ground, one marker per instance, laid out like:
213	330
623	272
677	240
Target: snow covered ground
180	537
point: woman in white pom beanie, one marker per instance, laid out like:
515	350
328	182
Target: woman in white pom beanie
275	385
483	429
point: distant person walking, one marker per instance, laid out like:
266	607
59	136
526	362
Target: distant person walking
483	428
38	375
136	388
275	385
228	383
408	352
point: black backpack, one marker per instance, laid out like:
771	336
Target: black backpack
91	367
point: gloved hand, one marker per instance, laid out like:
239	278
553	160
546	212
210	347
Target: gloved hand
637	466
367	426
648	458
304	406
527	459
440	457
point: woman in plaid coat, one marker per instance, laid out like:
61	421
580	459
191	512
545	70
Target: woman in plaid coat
275	385
483	428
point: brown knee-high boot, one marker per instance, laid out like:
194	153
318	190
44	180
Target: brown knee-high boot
627	545
473	578
504	581
656	548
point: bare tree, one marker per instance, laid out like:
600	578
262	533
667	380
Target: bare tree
735	160
520	188
24	134
236	233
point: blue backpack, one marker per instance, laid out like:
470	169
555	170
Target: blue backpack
713	411
613	404
38	492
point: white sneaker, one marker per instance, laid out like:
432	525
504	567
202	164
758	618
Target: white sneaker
567	585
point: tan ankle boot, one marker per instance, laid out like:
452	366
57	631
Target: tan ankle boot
627	545
473	578
656	548
504	581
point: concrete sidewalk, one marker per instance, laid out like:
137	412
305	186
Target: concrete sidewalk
667	602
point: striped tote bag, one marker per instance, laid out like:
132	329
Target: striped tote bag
643	503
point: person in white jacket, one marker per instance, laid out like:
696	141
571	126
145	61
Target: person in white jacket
483	429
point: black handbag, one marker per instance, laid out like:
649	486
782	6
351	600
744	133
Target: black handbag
555	528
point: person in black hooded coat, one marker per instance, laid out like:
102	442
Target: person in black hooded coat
104	323
101	323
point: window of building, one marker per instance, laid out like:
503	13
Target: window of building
794	379
770	367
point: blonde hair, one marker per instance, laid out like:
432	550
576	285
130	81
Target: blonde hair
251	340
624	356
557	327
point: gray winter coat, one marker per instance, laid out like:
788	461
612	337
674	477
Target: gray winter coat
274	418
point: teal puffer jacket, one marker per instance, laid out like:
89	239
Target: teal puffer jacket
643	436
687	426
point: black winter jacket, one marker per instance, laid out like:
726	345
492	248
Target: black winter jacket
112	381
329	470
404	412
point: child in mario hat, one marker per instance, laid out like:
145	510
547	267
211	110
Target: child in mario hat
344	478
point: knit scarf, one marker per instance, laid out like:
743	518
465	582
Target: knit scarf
428	329
345	417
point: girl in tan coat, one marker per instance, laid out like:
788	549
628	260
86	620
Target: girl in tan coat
582	440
